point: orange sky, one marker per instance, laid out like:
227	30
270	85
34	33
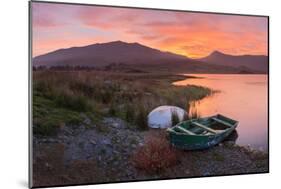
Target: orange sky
194	35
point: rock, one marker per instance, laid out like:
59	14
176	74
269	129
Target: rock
114	122
106	141
93	142
115	125
87	121
161	117
229	143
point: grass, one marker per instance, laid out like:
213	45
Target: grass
48	117
141	118
59	98
75	103
193	112
175	118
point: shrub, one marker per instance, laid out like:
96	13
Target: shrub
155	155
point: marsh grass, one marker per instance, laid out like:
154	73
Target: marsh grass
141	118
193	112
60	97
175	118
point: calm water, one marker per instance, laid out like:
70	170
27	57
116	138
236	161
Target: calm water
241	97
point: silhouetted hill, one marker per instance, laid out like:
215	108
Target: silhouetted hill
246	63
122	56
106	53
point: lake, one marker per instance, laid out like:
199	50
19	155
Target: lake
241	97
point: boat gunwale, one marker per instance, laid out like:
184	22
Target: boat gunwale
171	130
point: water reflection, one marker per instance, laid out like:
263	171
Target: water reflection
241	97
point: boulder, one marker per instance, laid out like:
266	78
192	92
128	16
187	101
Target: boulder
161	117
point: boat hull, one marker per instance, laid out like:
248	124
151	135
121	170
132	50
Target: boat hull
191	142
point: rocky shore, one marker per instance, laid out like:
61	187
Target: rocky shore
94	153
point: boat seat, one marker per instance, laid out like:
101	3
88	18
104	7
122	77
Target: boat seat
222	122
185	130
204	127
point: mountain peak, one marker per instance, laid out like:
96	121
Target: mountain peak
216	52
114	42
255	63
102	54
118	42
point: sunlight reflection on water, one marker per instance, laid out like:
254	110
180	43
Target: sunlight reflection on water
241	97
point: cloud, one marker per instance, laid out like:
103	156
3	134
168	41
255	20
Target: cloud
187	33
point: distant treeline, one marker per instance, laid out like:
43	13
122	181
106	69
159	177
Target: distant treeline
75	68
115	67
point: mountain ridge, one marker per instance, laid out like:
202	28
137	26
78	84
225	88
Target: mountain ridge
97	54
256	63
103	54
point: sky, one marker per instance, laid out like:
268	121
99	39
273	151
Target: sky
195	35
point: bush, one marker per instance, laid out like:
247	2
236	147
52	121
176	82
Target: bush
156	155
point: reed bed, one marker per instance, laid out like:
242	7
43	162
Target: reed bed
60	97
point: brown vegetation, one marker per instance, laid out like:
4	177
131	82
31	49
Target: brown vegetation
59	97
155	155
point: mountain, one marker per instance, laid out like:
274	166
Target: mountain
106	53
118	55
246	63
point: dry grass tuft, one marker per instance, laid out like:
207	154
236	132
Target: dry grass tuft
155	155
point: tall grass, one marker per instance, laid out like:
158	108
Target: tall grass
128	96
175	118
193	111
73	102
141	118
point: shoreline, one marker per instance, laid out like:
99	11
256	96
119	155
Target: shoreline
86	139
113	160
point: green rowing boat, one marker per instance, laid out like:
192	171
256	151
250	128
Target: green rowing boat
201	133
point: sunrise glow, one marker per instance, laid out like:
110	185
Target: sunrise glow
194	35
